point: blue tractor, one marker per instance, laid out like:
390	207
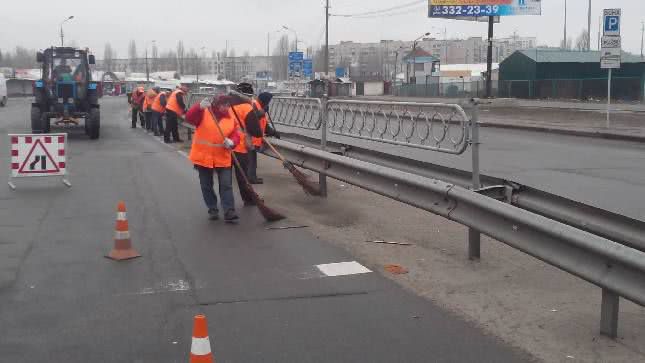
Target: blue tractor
66	93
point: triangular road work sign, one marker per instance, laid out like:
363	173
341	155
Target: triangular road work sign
39	161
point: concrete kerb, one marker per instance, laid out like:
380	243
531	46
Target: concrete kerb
568	132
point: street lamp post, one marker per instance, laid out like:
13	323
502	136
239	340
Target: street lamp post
147	68
62	36
414	58
294	32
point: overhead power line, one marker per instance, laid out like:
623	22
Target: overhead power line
381	11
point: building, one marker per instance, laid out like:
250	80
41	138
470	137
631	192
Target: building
548	73
234	68
385	58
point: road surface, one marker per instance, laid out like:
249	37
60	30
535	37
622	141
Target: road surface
265	299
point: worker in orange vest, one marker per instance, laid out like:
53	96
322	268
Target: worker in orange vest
175	108
213	142
262	104
151	94
249	126
158	109
136	103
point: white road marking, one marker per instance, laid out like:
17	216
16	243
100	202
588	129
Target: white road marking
343	268
165	287
182	153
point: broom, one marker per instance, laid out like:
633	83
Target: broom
269	214
309	187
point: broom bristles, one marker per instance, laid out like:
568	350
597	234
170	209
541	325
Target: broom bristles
309	187
269	214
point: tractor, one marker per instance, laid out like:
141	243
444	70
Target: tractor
66	93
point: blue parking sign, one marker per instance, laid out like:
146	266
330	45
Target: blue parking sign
611	23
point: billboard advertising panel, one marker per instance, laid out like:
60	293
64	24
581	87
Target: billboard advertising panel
476	8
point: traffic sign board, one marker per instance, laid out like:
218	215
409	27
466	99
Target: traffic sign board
38	155
611	52
611	23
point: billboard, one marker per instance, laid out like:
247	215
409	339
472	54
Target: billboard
477	8
296	64
308	68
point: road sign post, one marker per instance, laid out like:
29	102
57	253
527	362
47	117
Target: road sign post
38	155
611	50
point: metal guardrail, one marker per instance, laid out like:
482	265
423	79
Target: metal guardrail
618	269
304	113
431	126
408	124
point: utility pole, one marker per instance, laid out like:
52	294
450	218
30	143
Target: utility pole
489	58
62	36
327	37
147	70
564	44
642	37
589	28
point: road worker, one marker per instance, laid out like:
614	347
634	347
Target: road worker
136	104
240	113
262	104
216	135
151	94
158	109
175	108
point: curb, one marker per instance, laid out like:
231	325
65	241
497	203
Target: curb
569	132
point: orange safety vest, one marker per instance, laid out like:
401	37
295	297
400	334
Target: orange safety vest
149	99
172	104
241	111
156	104
258	141
208	148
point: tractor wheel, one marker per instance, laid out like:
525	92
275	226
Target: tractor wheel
37	121
3	101
93	123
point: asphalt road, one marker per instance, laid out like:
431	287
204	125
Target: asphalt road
607	174
266	301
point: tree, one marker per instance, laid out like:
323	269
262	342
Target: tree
108	57
132	55
155	57
582	41
566	45
181	56
280	59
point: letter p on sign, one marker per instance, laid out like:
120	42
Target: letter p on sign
612	22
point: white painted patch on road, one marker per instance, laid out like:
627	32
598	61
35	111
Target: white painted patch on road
183	153
165	287
343	269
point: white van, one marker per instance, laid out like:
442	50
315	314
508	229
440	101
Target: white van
3	90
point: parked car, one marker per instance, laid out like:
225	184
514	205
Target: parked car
3	90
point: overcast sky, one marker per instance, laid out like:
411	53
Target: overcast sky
245	24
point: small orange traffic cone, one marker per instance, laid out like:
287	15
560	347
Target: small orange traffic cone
200	348
122	245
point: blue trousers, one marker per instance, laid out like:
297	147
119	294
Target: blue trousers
225	181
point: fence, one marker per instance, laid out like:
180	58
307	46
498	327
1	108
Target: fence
622	88
470	89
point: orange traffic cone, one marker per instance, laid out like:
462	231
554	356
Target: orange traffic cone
122	245
200	349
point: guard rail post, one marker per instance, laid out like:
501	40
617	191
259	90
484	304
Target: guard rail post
609	313
474	236
322	177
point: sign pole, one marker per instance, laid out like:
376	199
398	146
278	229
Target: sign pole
609	98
